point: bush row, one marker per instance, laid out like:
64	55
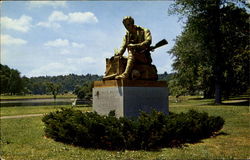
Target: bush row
148	131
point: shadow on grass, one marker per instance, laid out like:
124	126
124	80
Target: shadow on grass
199	98
243	100
239	102
226	102
220	134
182	144
185	144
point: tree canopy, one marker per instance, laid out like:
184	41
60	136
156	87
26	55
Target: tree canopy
212	53
11	81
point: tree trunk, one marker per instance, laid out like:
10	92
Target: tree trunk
218	55
217	92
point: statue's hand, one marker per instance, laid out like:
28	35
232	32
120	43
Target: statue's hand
117	54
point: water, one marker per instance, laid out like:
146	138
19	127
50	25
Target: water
35	102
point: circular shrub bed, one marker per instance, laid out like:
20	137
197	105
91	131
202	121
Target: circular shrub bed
148	131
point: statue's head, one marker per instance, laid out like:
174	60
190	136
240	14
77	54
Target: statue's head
128	22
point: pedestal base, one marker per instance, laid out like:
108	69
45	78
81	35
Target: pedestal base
128	98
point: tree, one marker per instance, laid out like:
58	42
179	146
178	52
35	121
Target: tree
11	81
210	47
16	85
26	84
53	88
84	91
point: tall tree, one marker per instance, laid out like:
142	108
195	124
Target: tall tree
207	49
11	81
16	85
53	88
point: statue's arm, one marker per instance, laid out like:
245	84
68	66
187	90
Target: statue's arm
147	41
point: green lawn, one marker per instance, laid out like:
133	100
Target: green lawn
22	110
8	97
23	138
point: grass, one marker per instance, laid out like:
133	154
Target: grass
13	97
23	138
21	110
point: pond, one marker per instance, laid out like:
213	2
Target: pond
36	102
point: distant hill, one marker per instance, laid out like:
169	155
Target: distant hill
37	85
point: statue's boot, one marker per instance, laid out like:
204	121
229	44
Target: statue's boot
125	74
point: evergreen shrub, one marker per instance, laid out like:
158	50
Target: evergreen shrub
148	131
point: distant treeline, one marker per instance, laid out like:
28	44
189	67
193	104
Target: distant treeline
68	83
12	83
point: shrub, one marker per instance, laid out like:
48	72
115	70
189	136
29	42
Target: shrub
148	131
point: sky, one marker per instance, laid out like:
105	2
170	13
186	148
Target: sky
50	38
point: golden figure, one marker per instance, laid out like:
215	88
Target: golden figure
137	41
137	65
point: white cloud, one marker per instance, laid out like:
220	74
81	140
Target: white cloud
82	17
74	17
8	40
52	20
22	24
57	16
64	43
78	45
67	66
89	60
39	4
57	43
49	25
52	69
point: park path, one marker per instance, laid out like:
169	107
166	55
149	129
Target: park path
21	116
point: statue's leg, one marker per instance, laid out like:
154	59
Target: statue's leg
129	67
143	57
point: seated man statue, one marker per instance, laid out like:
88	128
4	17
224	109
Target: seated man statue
137	65
137	41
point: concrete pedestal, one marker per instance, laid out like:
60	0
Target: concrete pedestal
129	97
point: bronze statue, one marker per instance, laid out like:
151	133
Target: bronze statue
137	65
